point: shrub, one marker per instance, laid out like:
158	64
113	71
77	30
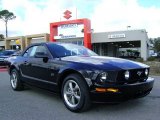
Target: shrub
139	59
151	58
154	67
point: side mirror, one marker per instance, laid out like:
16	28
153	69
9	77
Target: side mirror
42	55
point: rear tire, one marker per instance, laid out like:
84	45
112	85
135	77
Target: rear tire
75	93
15	81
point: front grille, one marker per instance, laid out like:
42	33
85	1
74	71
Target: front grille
112	76
136	75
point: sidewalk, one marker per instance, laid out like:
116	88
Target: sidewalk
3	68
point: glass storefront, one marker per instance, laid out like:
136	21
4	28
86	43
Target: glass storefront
100	48
77	41
15	47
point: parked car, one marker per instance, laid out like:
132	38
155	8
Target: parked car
17	53
5	54
79	75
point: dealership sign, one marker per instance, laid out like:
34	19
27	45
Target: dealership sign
68	26
112	36
70	31
67	14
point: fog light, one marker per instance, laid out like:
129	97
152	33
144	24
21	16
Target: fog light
126	75
146	72
103	76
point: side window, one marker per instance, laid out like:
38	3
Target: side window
33	50
41	49
27	52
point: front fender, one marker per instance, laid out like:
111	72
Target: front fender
13	66
65	72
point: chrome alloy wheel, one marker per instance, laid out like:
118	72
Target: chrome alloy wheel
14	80
72	93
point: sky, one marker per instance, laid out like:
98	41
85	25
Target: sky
34	16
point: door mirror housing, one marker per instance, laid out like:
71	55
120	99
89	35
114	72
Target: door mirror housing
42	55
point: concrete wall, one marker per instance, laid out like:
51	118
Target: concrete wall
25	40
38	38
2	43
129	35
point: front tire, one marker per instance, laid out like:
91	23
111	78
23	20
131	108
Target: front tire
75	93
15	81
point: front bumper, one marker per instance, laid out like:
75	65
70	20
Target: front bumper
125	91
3	63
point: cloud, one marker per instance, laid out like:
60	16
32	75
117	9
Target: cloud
113	15
34	16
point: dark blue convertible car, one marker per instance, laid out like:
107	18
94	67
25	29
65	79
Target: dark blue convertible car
79	75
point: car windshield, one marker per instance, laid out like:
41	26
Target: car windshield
6	53
63	50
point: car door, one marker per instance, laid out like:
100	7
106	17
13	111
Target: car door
34	68
40	68
25	66
42	73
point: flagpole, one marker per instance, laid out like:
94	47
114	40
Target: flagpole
76	12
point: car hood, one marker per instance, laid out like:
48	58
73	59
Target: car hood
110	63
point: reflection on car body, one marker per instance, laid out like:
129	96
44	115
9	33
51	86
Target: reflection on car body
79	75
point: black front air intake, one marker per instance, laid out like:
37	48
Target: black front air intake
136	75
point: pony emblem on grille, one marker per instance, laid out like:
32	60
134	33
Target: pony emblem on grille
139	73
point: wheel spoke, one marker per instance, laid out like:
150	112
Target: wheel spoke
77	97
14	76
68	93
71	86
76	87
14	82
73	100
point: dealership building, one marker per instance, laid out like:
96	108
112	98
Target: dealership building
113	43
79	32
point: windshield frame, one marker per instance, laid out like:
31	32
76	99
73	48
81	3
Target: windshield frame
60	50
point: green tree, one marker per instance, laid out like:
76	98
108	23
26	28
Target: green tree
1	36
129	52
151	40
157	44
135	53
5	15
122	52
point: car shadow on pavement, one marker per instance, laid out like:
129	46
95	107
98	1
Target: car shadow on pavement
42	92
113	107
96	107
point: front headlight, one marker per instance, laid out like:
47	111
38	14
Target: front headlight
146	72
103	76
126	75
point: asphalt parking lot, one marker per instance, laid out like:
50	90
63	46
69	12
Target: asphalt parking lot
36	104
